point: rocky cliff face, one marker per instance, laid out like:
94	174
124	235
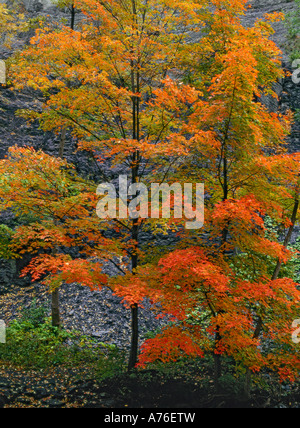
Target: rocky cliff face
260	7
287	90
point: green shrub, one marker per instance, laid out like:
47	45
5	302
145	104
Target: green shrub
293	27
38	345
232	385
6	235
35	314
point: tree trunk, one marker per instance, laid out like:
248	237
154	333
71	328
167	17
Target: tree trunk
73	12
133	357
247	386
135	162
218	338
55	308
217	364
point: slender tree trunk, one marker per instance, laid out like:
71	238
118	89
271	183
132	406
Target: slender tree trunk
56	322
135	87
55	311
55	308
62	143
247	385
73	12
218	337
133	357
217	363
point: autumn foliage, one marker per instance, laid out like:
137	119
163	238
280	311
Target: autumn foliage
171	92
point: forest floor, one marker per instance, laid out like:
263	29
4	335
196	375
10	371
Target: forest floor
65	388
185	386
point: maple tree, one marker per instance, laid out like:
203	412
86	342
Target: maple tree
247	177
49	190
100	80
170	105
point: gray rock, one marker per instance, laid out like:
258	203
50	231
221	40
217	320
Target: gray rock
8	272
